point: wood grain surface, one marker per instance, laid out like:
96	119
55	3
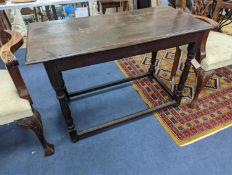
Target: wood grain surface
60	39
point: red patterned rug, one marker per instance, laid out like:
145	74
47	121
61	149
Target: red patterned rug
184	124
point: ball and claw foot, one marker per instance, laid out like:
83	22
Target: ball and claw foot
49	149
35	124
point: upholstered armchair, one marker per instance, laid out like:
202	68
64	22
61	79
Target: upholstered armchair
15	101
216	48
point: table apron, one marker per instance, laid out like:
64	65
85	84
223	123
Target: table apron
68	63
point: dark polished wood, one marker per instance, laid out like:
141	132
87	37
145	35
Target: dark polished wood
192	48
107	33
4	21
152	65
11	41
58	85
106	85
104	38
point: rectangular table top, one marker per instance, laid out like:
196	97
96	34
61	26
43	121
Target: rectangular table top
61	39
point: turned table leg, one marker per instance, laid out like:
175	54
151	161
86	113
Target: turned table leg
192	48
152	66
63	84
57	82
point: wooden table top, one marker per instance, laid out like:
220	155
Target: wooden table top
61	39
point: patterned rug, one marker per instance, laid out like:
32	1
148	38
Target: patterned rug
184	124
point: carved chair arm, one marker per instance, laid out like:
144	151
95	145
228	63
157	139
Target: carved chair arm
7	50
208	20
7	56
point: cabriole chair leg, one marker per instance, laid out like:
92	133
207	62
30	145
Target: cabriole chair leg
202	79
35	124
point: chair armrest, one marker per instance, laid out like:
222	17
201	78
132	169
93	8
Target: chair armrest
208	20
6	54
7	50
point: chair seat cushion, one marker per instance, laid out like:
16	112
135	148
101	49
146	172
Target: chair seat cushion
218	51
12	107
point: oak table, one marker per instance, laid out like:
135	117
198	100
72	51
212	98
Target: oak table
65	45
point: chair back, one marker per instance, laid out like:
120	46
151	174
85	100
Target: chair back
208	8
218	10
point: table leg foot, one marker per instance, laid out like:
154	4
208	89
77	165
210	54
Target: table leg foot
74	136
58	84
